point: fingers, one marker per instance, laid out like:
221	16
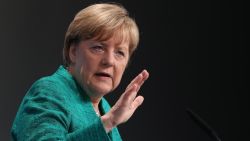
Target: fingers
139	79
129	95
128	102
131	91
145	75
137	102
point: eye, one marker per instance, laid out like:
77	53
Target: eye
120	53
97	48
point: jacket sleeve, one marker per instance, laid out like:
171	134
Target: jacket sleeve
43	115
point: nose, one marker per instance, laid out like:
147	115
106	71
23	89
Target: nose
108	59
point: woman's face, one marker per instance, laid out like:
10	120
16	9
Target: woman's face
99	65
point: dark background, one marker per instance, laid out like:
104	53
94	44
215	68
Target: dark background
194	50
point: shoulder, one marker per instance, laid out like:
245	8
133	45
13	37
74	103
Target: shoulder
45	95
45	83
48	86
53	80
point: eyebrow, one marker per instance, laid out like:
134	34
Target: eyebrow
104	44
118	46
123	48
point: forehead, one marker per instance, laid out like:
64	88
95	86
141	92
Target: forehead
118	36
116	40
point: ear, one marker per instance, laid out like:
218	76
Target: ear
72	53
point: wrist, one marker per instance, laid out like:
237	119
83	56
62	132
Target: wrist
107	122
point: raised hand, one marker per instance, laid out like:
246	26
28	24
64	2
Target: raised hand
127	103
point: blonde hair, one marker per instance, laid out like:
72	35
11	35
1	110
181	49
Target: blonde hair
101	21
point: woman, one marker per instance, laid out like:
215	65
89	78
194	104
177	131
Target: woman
69	104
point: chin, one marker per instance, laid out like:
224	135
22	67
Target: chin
102	91
100	88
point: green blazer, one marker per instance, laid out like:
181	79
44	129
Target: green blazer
57	109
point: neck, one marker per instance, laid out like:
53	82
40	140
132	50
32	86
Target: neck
95	102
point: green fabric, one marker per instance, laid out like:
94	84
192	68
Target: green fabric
56	108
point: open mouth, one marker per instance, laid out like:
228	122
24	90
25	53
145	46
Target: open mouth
103	74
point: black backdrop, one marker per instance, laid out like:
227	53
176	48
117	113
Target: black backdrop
194	50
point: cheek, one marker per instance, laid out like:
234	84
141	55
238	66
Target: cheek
120	71
87	68
85	62
83	67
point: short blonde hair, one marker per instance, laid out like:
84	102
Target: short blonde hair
101	21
